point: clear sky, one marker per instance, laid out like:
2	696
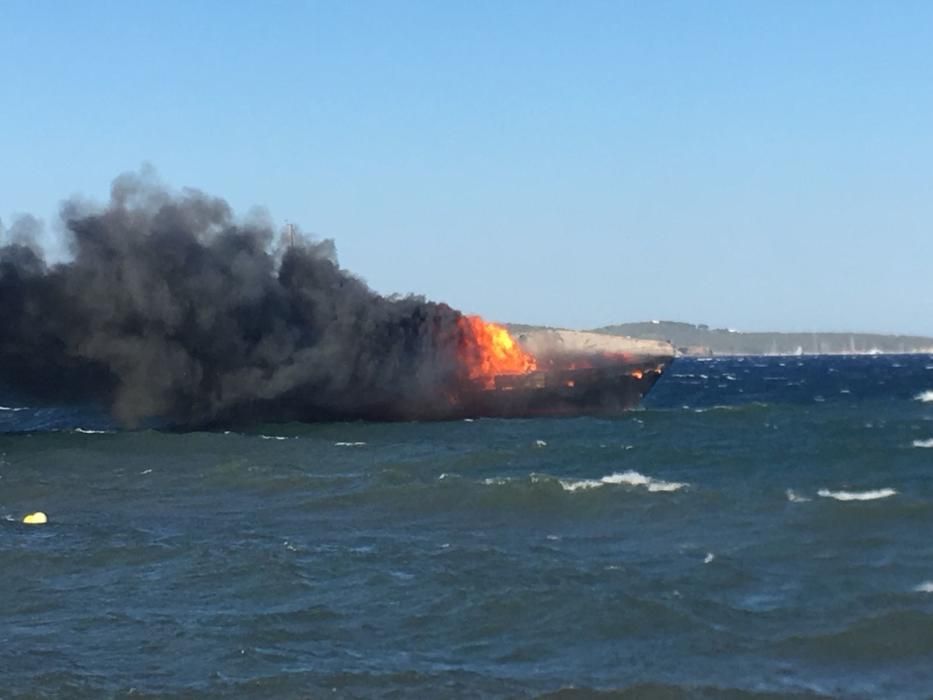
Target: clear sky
756	165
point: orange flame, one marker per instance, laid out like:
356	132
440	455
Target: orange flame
488	351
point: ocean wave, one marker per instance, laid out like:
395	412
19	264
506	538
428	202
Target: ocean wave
13	408
732	408
925	587
925	396
274	437
628	478
923	443
349	444
88	431
857	495
794	497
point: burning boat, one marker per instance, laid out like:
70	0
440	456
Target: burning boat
538	373
556	373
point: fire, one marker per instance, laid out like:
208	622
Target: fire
488	351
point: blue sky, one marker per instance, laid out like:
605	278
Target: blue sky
760	166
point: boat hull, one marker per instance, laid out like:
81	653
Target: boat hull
592	391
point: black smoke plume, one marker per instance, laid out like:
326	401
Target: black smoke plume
170	308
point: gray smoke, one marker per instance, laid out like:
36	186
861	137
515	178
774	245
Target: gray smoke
171	308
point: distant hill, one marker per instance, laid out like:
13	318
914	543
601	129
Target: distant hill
701	340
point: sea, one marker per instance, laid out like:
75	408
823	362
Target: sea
761	527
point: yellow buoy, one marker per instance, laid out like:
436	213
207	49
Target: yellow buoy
37	518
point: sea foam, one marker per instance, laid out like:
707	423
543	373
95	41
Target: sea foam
856	495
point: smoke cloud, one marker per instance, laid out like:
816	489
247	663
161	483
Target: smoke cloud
169	307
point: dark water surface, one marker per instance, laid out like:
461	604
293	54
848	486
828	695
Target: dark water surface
763	526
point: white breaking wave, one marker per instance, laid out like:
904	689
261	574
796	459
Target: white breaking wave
87	431
349	444
923	443
581	484
709	557
856	495
629	478
274	437
794	497
925	396
12	408
925	587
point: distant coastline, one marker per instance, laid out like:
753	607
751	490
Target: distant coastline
699	340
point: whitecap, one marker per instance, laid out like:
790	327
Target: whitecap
925	587
273	437
709	557
794	497
12	408
580	484
146	471
857	495
349	444
628	478
633	478
540	443
88	431
925	396
923	443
